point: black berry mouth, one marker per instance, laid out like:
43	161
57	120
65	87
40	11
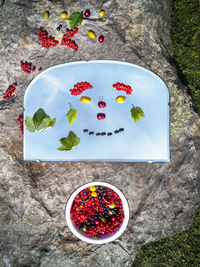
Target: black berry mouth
103	133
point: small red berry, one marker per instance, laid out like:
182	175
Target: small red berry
101	39
87	13
40	69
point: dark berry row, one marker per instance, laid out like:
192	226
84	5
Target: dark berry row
103	133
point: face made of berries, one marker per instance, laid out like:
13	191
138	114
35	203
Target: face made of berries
79	88
111	137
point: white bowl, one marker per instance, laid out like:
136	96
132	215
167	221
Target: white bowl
79	233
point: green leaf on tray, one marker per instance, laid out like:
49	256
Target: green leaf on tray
30	124
71	115
52	122
75	19
69	142
40	121
136	113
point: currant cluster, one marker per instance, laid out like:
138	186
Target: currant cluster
122	87
97	211
101	104
67	41
20	119
80	87
101	116
10	91
45	39
27	67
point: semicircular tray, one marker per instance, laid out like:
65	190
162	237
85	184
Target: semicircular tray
146	140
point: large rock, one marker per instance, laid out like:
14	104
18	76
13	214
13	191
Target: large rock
162	196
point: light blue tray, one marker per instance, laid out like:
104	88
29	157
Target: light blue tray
147	140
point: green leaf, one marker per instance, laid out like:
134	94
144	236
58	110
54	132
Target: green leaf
69	142
66	142
62	148
38	117
44	124
136	113
71	115
73	138
52	122
30	124
75	19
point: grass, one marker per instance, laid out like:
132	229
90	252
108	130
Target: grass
181	250
185	33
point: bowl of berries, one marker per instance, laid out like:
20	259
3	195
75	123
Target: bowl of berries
97	213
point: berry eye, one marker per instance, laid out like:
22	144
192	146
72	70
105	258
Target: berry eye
85	99
120	99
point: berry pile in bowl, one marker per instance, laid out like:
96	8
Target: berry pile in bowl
97	213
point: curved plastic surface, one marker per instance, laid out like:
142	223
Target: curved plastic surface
146	140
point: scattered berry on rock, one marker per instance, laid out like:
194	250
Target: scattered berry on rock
63	15
101	39
46	15
102	13
91	34
87	13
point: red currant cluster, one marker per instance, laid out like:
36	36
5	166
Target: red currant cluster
97	211
122	87
67	41
27	67
80	87
46	40
101	116
20	119
10	91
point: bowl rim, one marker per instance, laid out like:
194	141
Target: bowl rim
88	239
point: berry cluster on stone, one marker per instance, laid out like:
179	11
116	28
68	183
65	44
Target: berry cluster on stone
67	41
122	87
97	211
20	119
27	67
45	39
10	91
79	88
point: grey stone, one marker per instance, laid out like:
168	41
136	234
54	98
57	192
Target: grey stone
163	196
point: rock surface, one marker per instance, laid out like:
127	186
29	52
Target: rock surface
163	196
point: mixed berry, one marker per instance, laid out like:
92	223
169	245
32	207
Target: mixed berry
10	91
97	211
79	88
122	87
